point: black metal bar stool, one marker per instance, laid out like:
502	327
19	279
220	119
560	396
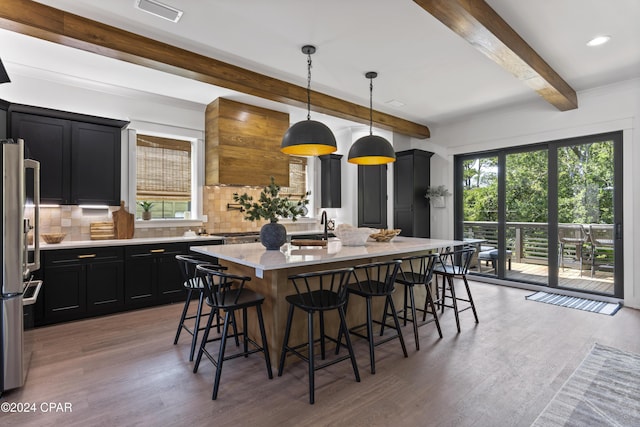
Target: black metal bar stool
329	293
226	292
455	265
192	283
376	280
417	271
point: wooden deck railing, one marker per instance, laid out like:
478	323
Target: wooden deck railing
527	241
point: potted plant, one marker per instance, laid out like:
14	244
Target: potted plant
436	195
146	209
271	206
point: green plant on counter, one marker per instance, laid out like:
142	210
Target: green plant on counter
146	206
270	205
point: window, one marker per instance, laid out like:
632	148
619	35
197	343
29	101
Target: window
163	176
297	178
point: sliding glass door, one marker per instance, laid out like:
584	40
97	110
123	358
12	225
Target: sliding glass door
548	214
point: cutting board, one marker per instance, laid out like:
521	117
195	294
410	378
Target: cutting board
308	242
101	230
123	223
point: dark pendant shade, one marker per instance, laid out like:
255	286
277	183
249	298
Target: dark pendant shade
4	77
371	150
308	138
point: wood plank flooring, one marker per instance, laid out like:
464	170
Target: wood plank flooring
123	370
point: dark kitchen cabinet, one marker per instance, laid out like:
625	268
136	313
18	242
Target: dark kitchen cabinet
330	181
47	140
79	155
152	274
411	177
4	115
81	283
372	196
95	164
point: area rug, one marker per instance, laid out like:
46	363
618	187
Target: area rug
603	391
577	303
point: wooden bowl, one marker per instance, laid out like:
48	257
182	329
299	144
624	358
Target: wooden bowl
385	235
53	237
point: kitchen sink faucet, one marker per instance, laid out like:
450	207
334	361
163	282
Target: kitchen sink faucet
323	220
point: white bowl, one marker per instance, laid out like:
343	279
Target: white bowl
352	236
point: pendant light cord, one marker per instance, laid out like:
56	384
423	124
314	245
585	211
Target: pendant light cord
309	86
371	106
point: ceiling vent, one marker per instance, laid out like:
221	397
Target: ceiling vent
159	9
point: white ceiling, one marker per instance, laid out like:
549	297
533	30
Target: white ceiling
423	64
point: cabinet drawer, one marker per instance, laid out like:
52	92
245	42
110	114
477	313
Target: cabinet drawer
144	251
67	256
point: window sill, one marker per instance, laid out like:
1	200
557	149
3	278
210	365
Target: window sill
167	223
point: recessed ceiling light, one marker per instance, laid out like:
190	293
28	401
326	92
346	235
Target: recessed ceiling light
159	9
597	41
395	103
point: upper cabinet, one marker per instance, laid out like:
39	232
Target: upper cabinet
331	181
79	155
243	144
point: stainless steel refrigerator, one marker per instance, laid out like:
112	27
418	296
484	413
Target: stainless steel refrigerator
17	267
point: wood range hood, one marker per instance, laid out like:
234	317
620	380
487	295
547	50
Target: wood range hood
242	144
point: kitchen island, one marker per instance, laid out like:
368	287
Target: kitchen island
269	271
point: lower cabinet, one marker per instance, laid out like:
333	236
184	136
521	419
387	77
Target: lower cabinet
152	275
80	283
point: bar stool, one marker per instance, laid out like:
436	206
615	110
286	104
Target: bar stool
377	280
455	265
226	292
192	283
417	271
329	294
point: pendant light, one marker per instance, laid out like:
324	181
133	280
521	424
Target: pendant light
308	137
371	149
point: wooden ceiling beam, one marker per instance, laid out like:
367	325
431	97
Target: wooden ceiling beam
480	25
44	22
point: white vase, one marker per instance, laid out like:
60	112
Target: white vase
438	202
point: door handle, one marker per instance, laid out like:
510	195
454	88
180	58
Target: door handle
156	251
86	256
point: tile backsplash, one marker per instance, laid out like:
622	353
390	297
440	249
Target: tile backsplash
75	221
217	198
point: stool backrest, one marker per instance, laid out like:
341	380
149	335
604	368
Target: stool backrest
377	277
316	288
187	265
418	267
221	288
456	262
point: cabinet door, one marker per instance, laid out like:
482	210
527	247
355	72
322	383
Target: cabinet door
105	289
331	181
95	160
65	293
170	286
140	277
47	140
372	196
403	194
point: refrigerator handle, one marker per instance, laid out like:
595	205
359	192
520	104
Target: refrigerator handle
35	265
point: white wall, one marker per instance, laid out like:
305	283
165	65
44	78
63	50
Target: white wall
611	108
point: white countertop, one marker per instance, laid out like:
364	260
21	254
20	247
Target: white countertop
255	255
71	244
